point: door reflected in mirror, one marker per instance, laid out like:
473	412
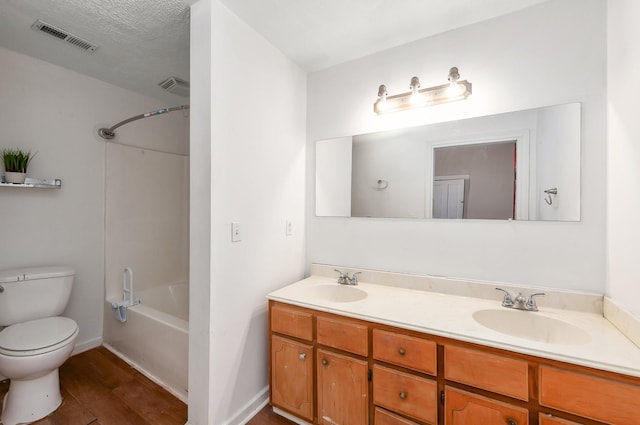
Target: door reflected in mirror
494	167
491	192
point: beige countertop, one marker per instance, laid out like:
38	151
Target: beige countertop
451	316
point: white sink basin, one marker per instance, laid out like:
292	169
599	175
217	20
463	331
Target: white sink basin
337	293
532	326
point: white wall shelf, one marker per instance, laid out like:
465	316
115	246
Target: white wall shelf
34	183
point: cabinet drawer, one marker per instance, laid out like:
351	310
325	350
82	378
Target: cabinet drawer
595	398
382	417
462	407
413	353
490	372
343	335
552	420
291	321
406	394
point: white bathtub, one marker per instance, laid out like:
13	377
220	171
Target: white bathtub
155	337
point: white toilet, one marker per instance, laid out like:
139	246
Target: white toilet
34	340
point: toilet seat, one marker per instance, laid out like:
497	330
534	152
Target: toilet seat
37	336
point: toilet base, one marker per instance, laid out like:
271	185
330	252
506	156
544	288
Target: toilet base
30	400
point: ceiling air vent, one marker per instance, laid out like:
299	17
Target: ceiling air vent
63	35
176	85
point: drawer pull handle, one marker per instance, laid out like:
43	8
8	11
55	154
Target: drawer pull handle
403	396
512	422
325	362
401	352
302	356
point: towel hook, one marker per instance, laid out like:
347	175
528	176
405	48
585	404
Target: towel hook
549	192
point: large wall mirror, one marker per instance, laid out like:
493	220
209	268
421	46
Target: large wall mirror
522	165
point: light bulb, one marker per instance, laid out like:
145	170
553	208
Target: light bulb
415	86
455	89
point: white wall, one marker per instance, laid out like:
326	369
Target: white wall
257	162
56	112
557	139
623	178
552	53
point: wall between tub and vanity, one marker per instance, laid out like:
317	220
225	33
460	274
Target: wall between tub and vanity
544	55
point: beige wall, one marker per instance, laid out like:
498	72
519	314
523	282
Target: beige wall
489	191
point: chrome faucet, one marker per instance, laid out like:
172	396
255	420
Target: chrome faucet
520	302
344	278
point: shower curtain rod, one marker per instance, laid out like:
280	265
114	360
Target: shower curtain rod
108	133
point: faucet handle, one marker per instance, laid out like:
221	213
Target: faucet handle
353	280
342	279
531	303
507	301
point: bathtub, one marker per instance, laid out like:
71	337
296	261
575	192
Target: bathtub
155	337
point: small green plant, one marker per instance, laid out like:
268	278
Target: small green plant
16	160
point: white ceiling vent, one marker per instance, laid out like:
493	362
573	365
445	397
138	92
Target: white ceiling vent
63	35
176	85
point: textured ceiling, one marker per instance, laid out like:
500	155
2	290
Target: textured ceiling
142	42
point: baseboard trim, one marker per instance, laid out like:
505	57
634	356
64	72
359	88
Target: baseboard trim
86	345
250	409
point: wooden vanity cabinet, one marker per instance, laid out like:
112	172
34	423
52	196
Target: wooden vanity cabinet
328	369
324	378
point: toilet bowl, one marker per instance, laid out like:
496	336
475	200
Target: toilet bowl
34	340
30	355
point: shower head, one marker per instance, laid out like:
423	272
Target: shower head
108	133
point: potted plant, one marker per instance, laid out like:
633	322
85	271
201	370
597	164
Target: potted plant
15	163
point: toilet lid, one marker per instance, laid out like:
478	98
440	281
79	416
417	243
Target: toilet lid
37	334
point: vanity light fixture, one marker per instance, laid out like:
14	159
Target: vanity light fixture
418	98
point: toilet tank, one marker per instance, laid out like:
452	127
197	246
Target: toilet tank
34	293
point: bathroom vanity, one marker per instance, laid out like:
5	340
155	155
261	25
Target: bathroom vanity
388	355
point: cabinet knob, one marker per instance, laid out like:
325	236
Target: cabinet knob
302	356
403	396
512	422
401	351
325	362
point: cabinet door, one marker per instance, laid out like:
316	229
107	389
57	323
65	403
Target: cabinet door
463	408
292	377
343	389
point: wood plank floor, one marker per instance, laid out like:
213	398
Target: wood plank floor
267	417
98	388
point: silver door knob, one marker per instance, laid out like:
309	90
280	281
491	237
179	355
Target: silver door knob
403	395
512	422
325	362
302	356
401	351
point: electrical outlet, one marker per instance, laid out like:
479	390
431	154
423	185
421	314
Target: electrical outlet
236	236
288	228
